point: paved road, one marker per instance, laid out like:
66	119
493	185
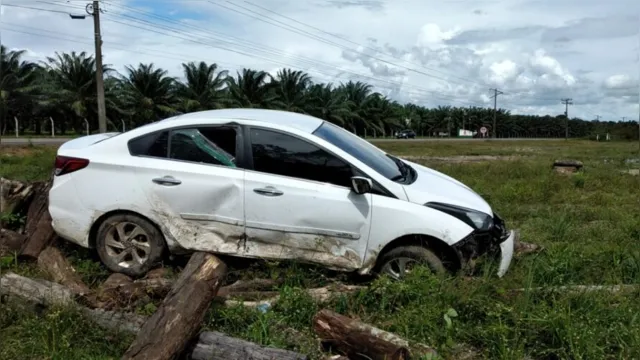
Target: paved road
59	141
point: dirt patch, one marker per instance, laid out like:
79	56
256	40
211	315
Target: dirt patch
462	158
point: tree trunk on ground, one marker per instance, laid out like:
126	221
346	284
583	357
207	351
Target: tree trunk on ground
248	285
217	346
120	291
38	228
14	195
166	333
208	346
355	338
10	241
56	265
36	291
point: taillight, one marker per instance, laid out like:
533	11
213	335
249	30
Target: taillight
65	164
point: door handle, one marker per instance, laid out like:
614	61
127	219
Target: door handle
167	181
268	191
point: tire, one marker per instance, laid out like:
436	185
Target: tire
148	245
415	253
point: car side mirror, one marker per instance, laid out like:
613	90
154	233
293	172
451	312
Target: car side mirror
361	185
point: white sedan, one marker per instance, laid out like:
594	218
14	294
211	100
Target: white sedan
265	184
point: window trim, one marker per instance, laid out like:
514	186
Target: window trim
382	191
240	148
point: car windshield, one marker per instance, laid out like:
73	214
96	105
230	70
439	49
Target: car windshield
362	150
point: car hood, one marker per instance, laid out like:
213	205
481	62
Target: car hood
434	186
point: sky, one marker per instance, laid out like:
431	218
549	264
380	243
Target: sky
428	52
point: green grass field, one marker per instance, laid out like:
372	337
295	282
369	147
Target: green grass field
588	223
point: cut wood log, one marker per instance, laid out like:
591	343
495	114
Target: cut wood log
36	291
52	262
166	333
322	294
10	241
208	346
217	346
578	289
14	196
249	285
38	227
120	292
354	338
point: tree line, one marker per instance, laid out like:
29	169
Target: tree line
63	87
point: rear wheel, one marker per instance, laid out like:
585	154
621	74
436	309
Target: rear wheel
129	244
398	262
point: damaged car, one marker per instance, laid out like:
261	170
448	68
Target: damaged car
266	184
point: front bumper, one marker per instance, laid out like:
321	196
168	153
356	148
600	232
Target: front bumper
506	252
480	243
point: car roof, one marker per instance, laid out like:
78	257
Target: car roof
299	121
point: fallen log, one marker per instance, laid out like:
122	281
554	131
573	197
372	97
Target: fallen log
38	226
248	285
214	345
14	196
36	291
322	294
10	241
579	289
166	333
52	262
217	346
354	338
123	294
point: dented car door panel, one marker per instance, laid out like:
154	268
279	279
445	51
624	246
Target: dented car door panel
307	221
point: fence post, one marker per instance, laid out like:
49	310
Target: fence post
86	125
15	118
123	128
53	127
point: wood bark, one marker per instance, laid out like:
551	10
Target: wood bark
121	292
166	333
207	346
36	291
10	241
38	227
355	338
14	196
249	285
217	346
52	262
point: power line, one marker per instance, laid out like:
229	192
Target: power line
358	44
566	103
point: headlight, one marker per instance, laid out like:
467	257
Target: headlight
476	219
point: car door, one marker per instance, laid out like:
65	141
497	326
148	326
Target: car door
299	204
195	188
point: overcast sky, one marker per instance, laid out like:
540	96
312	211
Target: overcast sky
430	52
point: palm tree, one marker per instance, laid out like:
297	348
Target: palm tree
70	84
203	89
326	103
253	89
292	89
148	93
18	85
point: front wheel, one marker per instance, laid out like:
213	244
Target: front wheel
398	262
129	244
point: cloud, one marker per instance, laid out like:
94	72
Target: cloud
430	52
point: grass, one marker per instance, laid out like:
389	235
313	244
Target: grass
589	225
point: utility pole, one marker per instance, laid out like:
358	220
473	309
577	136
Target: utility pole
93	9
102	112
598	117
566	103
496	92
